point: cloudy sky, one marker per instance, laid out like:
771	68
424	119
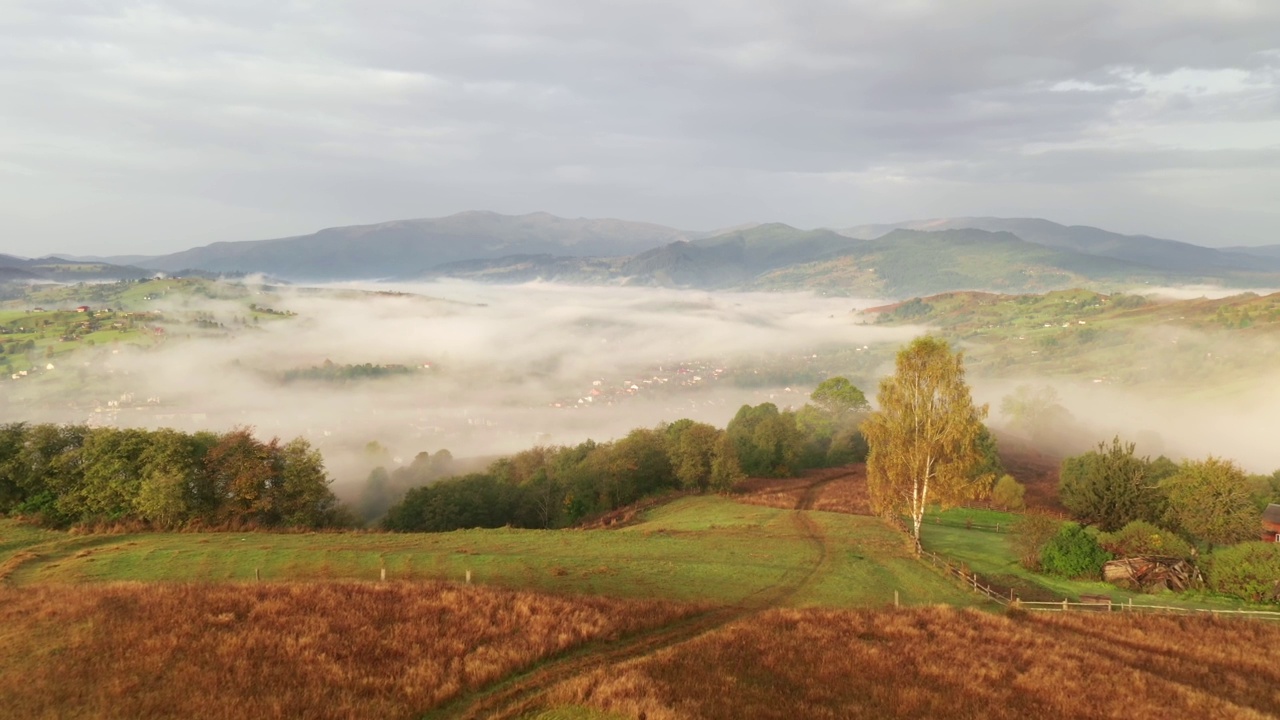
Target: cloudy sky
154	126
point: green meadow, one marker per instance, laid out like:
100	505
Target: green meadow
704	549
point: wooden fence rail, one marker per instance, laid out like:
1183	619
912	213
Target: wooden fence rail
970	579
1088	603
1130	606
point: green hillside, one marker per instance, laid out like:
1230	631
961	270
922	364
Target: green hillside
1127	339
902	262
907	262
704	549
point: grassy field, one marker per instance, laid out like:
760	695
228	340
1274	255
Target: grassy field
703	608
332	650
696	549
944	662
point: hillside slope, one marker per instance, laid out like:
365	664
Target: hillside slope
1160	254
56	269
407	247
916	257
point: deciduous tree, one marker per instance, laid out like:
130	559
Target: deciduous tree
839	397
1036	412
923	439
1209	499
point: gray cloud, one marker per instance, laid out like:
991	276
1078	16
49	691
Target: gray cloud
132	126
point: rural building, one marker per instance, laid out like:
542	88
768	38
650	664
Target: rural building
83	308
1271	523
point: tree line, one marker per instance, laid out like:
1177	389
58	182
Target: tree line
64	475
559	486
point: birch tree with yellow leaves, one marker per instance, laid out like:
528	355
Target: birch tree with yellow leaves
923	438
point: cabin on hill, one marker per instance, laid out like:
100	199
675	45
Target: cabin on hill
1271	523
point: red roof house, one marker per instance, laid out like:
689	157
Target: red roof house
1271	523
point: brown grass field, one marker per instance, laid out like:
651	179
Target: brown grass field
839	489
324	650
946	663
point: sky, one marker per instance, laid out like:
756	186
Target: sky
151	127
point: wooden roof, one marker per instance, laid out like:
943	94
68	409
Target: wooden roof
1271	515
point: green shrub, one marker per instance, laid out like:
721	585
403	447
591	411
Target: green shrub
1030	535
1250	571
1140	538
1009	494
1073	553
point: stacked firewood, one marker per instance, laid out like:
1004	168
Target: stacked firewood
1151	573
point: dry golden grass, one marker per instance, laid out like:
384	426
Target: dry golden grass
772	492
282	651
839	489
941	662
847	493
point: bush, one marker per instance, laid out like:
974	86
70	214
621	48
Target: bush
1140	538
1009	494
1073	553
1250	571
1111	486
1031	534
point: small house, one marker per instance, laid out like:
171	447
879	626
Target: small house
1271	523
82	309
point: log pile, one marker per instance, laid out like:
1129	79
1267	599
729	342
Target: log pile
1151	574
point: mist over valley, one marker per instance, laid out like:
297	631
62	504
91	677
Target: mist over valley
486	369
660	361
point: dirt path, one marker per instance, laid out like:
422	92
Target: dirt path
29	560
518	695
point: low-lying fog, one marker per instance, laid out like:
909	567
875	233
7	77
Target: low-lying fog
497	368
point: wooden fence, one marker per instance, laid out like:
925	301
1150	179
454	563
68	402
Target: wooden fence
1087	603
1107	605
970	579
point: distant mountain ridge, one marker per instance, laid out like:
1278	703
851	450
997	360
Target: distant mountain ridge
57	269
406	247
919	256
780	257
1157	253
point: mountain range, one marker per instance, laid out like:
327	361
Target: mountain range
58	269
921	256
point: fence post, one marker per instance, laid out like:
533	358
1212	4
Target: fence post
384	574
895	598
257	575
468	577
1064	604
